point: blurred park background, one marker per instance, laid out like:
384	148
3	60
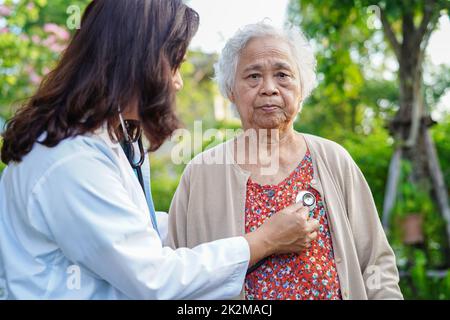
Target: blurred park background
384	74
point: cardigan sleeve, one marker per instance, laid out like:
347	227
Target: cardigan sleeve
376	257
177	226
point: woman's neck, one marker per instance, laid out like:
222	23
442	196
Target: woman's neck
271	157
273	138
264	145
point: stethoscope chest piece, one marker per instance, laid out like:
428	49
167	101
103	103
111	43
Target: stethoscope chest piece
307	198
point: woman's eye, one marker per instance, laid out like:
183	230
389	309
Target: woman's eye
254	76
282	75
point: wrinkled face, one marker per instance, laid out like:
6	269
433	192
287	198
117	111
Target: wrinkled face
267	90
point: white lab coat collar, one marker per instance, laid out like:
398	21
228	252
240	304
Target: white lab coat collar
103	134
135	191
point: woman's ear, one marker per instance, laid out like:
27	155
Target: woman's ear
231	96
300	107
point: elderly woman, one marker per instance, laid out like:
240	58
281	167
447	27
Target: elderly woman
267	74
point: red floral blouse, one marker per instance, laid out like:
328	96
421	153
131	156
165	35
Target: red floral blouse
310	275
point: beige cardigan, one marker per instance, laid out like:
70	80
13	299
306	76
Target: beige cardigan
210	200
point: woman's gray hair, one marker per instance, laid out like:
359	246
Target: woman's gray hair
226	67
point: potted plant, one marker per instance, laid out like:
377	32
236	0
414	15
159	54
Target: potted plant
413	203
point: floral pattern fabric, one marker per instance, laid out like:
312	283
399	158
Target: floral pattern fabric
308	276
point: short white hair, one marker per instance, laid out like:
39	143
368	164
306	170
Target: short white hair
226	67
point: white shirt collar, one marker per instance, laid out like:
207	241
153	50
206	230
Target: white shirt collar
103	134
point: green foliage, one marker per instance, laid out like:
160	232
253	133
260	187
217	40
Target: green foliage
433	254
353	90
339	35
411	197
420	285
418	274
196	100
441	134
372	162
30	44
164	181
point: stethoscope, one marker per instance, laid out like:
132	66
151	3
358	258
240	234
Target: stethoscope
127	144
128	148
309	200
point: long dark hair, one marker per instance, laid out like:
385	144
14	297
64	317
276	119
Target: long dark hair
125	50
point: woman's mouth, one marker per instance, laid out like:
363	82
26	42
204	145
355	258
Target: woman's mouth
269	108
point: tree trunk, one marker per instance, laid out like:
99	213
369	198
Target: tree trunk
391	187
437	179
410	129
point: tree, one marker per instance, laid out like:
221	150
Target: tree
33	36
345	31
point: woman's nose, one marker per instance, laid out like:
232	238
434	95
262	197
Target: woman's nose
269	87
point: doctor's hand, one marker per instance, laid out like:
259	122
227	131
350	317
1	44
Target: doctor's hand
287	231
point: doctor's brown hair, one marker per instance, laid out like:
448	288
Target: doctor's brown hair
124	51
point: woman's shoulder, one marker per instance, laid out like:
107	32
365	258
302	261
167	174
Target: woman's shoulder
210	161
330	151
73	147
67	160
216	155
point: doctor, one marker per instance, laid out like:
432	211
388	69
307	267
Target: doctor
75	221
